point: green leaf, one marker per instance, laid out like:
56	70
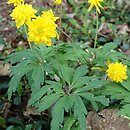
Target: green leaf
20	89
2	122
68	123
93	99
92	84
79	72
28	127
126	83
115	90
18	56
81	82
90	97
125	111
57	114
19	67
2	41
47	53
48	68
103	100
17	100
74	22
39	124
16	79
14	120
37	95
68	102
37	77
103	53
11	128
95	83
57	86
38	74
126	61
80	112
48	101
35	54
126	99
87	95
72	55
108	47
114	56
66	73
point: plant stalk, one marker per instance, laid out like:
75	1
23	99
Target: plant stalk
96	36
25	29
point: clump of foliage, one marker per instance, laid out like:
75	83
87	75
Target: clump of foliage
67	79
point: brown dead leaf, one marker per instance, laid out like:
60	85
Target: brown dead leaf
123	28
5	109
1	47
104	29
31	111
128	52
4	69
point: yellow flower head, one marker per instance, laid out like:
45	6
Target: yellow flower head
57	2
117	72
22	14
42	29
96	3
15	2
49	15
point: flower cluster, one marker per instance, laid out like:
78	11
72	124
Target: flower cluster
96	3
22	14
117	72
57	2
15	2
43	32
41	29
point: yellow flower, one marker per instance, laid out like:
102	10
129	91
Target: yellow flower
49	15
15	2
117	72
96	3
22	14
43	29
57	2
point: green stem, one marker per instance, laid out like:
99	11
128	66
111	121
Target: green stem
55	9
96	36
61	73
60	20
60	15
25	29
56	50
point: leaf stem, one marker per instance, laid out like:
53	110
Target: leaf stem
96	36
25	29
60	15
62	77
